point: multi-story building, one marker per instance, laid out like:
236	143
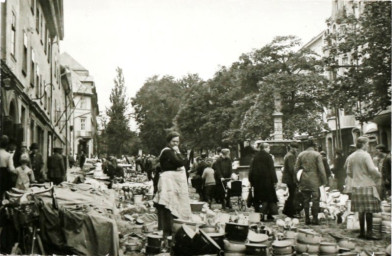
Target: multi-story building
343	126
84	117
32	92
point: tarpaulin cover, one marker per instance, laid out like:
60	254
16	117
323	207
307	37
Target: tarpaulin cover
84	224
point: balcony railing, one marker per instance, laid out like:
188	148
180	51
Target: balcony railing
84	134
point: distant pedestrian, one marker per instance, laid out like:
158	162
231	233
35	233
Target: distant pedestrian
209	182
339	170
262	177
365	198
82	159
71	160
326	164
56	168
290	179
313	176
223	170
37	162
24	174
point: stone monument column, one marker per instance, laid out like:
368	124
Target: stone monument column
278	120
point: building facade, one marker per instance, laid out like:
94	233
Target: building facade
32	88
84	116
344	129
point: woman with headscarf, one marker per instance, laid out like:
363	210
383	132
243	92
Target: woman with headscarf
6	166
172	198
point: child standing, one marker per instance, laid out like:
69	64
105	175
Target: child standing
25	175
209	181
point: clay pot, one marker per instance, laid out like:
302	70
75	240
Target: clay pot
347	243
154	240
236	232
282	247
307	236
208	229
329	248
197	206
152	250
231	246
184	240
307	248
218	238
257	238
256	249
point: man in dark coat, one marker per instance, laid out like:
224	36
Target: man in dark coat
338	169
223	170
37	162
312	177
56	168
290	180
263	179
82	159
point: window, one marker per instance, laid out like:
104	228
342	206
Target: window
82	103
32	2
32	68
24	64
49	50
37	16
41	86
13	34
83	124
46	41
37	80
42	30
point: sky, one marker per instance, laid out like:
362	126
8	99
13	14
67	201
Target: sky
177	37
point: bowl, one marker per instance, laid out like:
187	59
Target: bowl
308	236
328	248
236	232
254	237
208	229
348	243
282	247
197	206
307	248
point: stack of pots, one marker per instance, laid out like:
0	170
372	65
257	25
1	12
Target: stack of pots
257	244
386	223
236	235
329	249
282	248
154	243
377	225
308	242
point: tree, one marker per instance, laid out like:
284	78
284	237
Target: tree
155	106
117	132
296	76
359	58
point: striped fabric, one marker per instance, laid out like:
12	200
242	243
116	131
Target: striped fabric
363	200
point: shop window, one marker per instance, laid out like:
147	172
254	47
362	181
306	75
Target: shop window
38	83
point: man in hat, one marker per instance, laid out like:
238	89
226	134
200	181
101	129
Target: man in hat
19	152
313	176
36	162
82	159
289	178
223	170
56	168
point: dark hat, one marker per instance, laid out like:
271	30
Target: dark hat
380	146
34	146
293	144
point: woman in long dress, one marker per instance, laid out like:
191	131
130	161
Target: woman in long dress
172	197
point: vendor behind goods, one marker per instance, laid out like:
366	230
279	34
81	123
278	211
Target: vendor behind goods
172	198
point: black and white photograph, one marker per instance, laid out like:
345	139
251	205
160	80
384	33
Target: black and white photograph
195	127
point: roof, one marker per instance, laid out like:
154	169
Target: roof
68	60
